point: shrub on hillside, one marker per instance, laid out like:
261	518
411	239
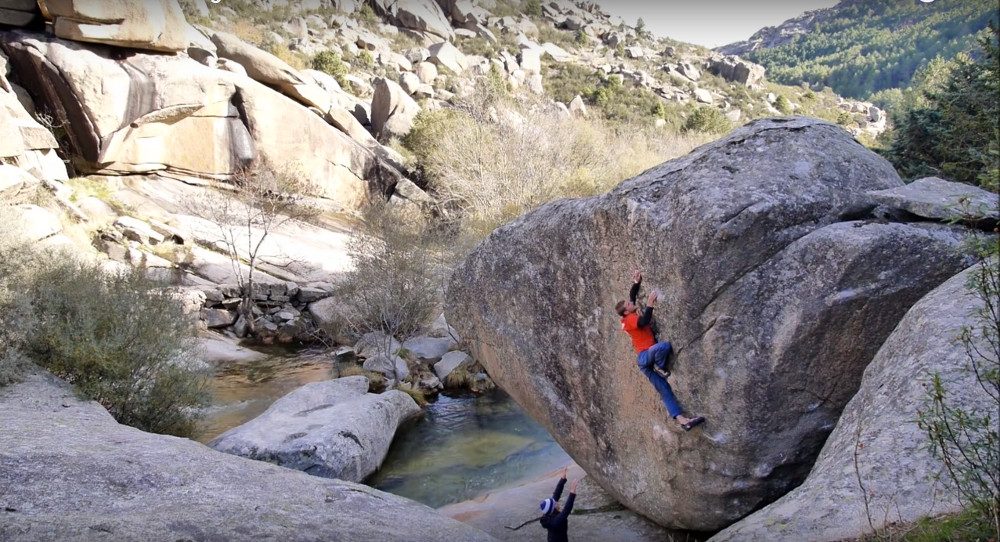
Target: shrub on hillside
487	163
708	120
330	63
397	278
119	340
783	105
15	311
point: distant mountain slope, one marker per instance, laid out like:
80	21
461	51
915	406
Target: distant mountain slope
862	46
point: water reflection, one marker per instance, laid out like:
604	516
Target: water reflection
244	390
464	447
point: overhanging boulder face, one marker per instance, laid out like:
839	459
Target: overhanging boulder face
776	292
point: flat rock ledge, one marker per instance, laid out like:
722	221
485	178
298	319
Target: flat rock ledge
68	471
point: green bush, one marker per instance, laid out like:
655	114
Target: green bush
783	105
708	120
366	59
367	15
533	8
330	63
119	340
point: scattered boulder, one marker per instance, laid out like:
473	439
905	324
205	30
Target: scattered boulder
577	107
429	349
773	293
879	424
737	70
531	61
218	318
409	82
393	367
156	25
557	53
687	69
448	56
450	362
418	15
127	484
635	52
441	328
393	110
703	96
427	72
334	429
938	199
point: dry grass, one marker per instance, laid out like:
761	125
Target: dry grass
497	159
418	396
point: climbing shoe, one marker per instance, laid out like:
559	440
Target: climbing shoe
693	423
662	372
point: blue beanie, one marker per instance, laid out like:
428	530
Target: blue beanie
547	505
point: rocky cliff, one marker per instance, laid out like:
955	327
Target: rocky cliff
778	289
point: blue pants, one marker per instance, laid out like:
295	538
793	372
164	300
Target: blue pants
658	354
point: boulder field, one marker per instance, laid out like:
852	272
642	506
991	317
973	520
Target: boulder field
778	287
82	476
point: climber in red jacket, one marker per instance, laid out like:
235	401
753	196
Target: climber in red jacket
651	355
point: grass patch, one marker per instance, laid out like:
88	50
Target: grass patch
967	526
418	396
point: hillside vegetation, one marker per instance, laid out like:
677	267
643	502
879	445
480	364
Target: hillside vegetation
858	48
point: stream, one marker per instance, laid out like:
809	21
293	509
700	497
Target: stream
464	446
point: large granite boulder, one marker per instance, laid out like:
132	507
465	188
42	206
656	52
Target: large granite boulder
737	70
393	110
775	290
173	116
23	141
334	429
880	424
156	25
423	16
105	481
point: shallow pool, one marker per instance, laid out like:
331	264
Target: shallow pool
464	447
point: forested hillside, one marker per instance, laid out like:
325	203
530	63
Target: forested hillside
860	47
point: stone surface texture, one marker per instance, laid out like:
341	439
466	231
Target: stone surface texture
894	462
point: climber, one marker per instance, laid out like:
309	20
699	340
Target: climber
651	355
556	521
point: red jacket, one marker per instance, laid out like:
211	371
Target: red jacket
642	336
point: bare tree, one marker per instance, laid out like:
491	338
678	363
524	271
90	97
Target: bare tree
265	197
397	282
